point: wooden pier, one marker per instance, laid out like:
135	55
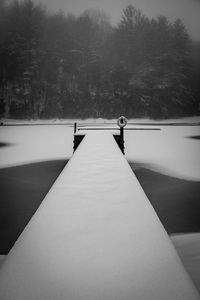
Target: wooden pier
95	236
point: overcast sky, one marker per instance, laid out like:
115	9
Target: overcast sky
187	10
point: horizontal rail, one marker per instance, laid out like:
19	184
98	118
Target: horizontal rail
110	128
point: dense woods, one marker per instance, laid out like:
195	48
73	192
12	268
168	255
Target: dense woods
57	65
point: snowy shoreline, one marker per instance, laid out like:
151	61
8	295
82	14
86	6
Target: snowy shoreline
195	120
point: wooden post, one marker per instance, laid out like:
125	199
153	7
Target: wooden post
121	122
122	139
75	127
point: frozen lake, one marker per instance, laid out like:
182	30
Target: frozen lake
173	151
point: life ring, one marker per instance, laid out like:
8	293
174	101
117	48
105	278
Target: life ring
122	121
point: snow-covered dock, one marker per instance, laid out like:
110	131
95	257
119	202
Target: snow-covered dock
95	236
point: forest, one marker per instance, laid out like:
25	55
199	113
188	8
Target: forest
56	65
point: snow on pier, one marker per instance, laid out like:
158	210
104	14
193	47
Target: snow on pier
95	236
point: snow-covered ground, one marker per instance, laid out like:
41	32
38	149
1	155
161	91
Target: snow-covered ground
170	150
35	143
189	120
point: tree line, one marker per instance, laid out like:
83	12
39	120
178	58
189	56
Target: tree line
67	66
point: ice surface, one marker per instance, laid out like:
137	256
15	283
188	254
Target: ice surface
169	150
95	236
35	143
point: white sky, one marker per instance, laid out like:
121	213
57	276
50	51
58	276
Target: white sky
187	10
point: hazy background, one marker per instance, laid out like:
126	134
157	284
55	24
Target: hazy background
99	59
187	10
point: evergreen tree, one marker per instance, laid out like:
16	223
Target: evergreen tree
57	65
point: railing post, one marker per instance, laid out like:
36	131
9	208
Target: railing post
121	122
75	127
122	139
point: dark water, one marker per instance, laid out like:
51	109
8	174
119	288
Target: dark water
196	137
2	144
22	188
176	201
